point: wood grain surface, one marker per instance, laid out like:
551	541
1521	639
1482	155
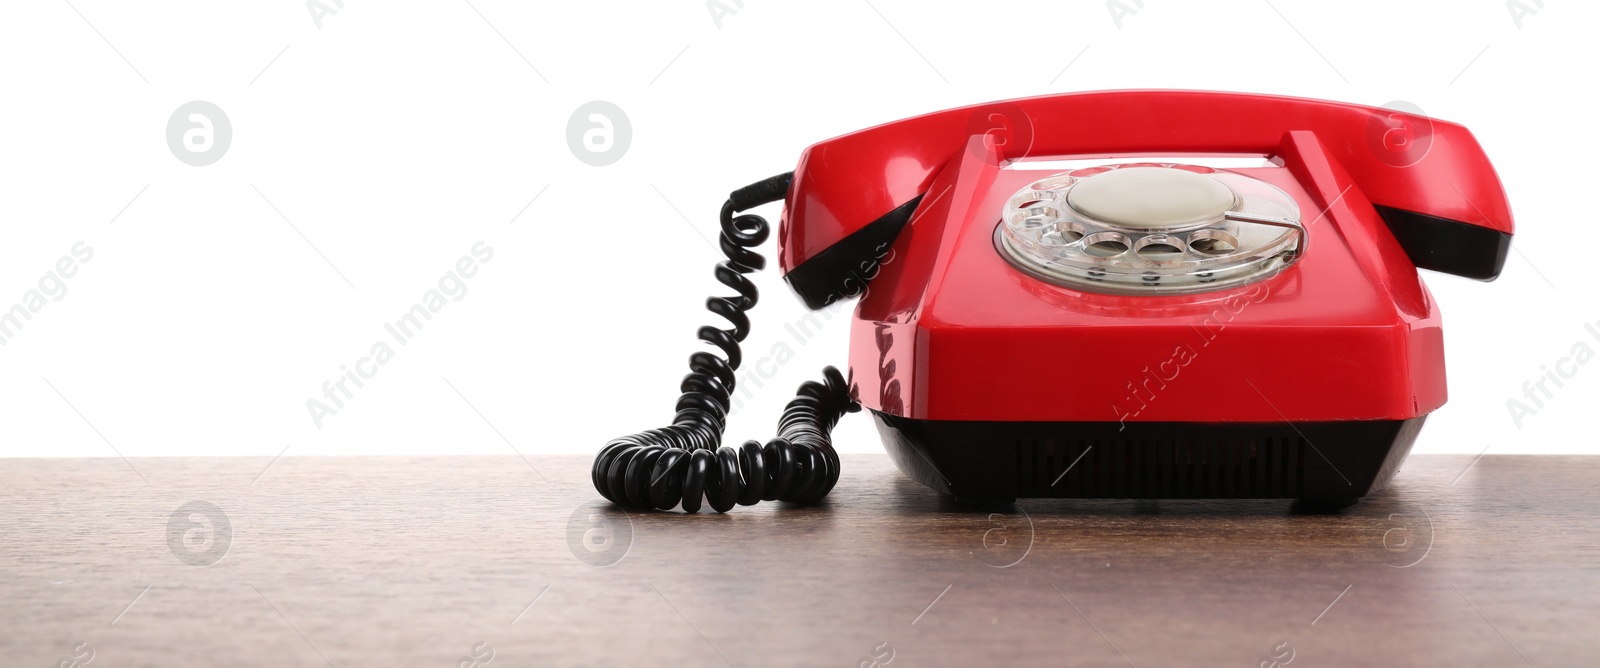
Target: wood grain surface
445	561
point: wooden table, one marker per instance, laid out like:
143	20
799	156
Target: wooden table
445	561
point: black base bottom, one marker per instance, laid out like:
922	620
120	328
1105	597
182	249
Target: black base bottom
1324	465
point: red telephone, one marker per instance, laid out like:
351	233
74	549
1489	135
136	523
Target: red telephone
1135	330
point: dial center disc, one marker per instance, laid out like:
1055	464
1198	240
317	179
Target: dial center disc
1151	198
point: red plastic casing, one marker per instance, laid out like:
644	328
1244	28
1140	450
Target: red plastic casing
948	330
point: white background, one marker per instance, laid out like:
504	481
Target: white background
398	134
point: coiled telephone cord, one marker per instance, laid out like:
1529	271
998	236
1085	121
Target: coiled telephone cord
686	462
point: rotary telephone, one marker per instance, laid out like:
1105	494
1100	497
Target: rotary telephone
1147	329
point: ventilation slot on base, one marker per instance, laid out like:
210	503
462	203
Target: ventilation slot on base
1236	468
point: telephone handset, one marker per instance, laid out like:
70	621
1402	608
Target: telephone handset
1151	329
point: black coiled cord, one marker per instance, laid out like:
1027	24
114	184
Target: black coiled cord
686	461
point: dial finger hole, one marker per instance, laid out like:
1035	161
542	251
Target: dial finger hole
1070	232
1213	242
1159	247
1028	199
1053	183
1034	218
1105	244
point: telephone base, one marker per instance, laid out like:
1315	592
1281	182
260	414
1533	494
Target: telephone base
1322	465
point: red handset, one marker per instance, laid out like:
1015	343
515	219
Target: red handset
1430	179
1153	329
